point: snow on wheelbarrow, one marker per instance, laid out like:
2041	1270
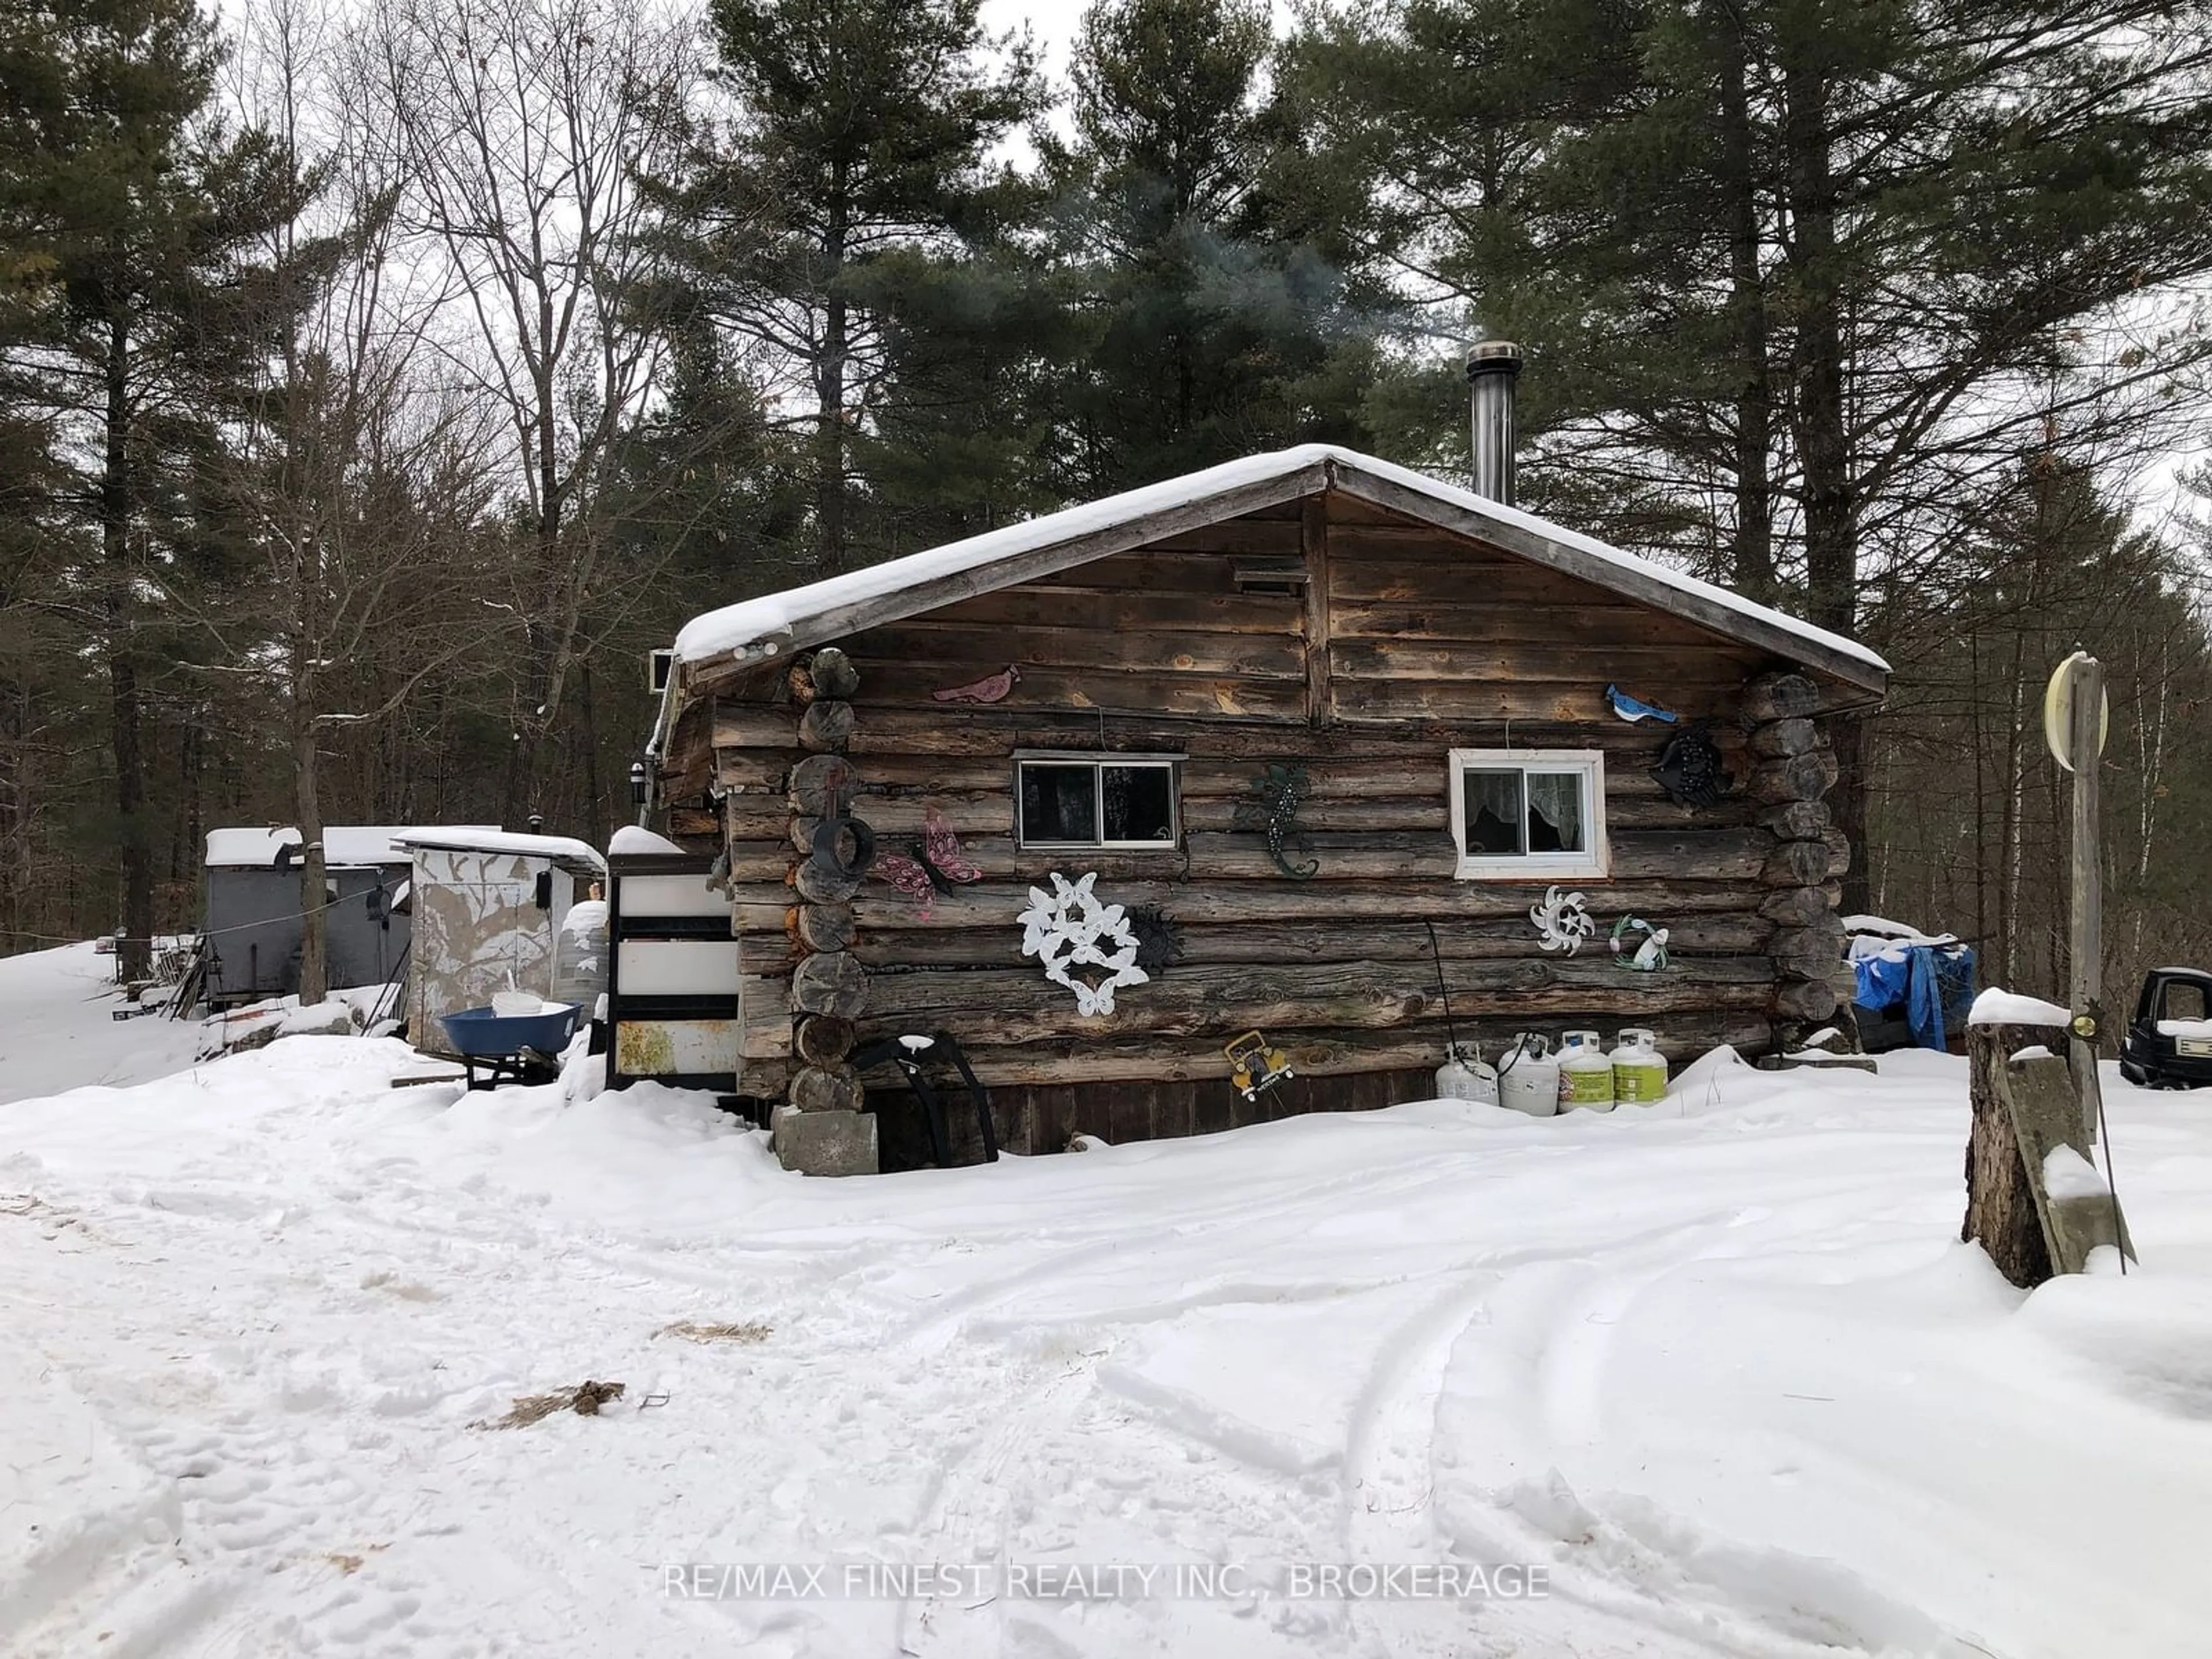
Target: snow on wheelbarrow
503	1044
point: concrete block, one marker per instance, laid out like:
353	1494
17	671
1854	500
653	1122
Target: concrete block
825	1143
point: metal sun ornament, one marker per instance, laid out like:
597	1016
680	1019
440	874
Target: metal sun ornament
1069	930
1562	922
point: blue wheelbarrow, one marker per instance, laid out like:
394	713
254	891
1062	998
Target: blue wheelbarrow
496	1048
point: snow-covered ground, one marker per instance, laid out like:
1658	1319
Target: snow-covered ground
1720	1368
56	1031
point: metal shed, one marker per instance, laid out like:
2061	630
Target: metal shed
254	920
487	907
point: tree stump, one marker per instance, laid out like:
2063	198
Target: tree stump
825	928
1782	738
2001	1199
825	1039
1794	777
1773	697
1797	864
834	1088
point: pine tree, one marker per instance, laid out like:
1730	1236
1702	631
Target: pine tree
961	436
146	223
860	128
1215	322
1794	271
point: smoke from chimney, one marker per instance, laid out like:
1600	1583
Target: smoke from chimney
1493	366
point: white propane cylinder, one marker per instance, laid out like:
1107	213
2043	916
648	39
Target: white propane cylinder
579	956
1528	1076
1585	1073
1464	1077
1639	1070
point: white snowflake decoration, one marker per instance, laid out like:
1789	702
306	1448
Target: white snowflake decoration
1069	930
1561	921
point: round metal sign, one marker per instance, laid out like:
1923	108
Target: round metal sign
2059	712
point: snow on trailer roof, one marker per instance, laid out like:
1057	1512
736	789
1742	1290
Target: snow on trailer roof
561	849
345	846
765	627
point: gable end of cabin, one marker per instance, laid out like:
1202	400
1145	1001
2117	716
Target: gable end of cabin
1441	698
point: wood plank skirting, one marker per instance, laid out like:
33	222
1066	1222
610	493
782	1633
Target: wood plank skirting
1045	1117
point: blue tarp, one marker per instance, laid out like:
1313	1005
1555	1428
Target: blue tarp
1926	979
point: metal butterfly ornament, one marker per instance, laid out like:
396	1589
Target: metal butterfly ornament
931	865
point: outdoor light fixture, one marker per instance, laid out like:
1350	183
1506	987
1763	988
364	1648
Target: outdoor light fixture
638	783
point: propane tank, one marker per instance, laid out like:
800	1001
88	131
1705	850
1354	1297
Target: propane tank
1464	1077
1528	1076
1639	1070
579	956
1585	1073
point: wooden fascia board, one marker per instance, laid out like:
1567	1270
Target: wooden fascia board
1629	583
1050	560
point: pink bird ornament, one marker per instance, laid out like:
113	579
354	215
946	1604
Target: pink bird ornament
992	688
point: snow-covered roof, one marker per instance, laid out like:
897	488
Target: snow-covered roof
561	849
759	628
343	844
634	841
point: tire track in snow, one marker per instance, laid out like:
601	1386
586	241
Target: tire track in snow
1392	1463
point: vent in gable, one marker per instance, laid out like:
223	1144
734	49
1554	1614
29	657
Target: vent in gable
1269	575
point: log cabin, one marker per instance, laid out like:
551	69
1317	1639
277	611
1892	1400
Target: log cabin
1276	725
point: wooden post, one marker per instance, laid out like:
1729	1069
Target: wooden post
2085	742
2029	1105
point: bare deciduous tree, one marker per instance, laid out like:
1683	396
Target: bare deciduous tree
524	127
353	478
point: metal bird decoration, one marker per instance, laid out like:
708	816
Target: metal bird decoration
992	688
1632	709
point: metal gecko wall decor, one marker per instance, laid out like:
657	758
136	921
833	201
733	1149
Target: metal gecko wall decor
1271	809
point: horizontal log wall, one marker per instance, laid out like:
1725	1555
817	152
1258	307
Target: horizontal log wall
1404	645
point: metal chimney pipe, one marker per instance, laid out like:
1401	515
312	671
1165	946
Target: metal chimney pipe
1493	366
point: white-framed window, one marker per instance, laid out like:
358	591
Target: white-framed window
1528	814
1096	800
